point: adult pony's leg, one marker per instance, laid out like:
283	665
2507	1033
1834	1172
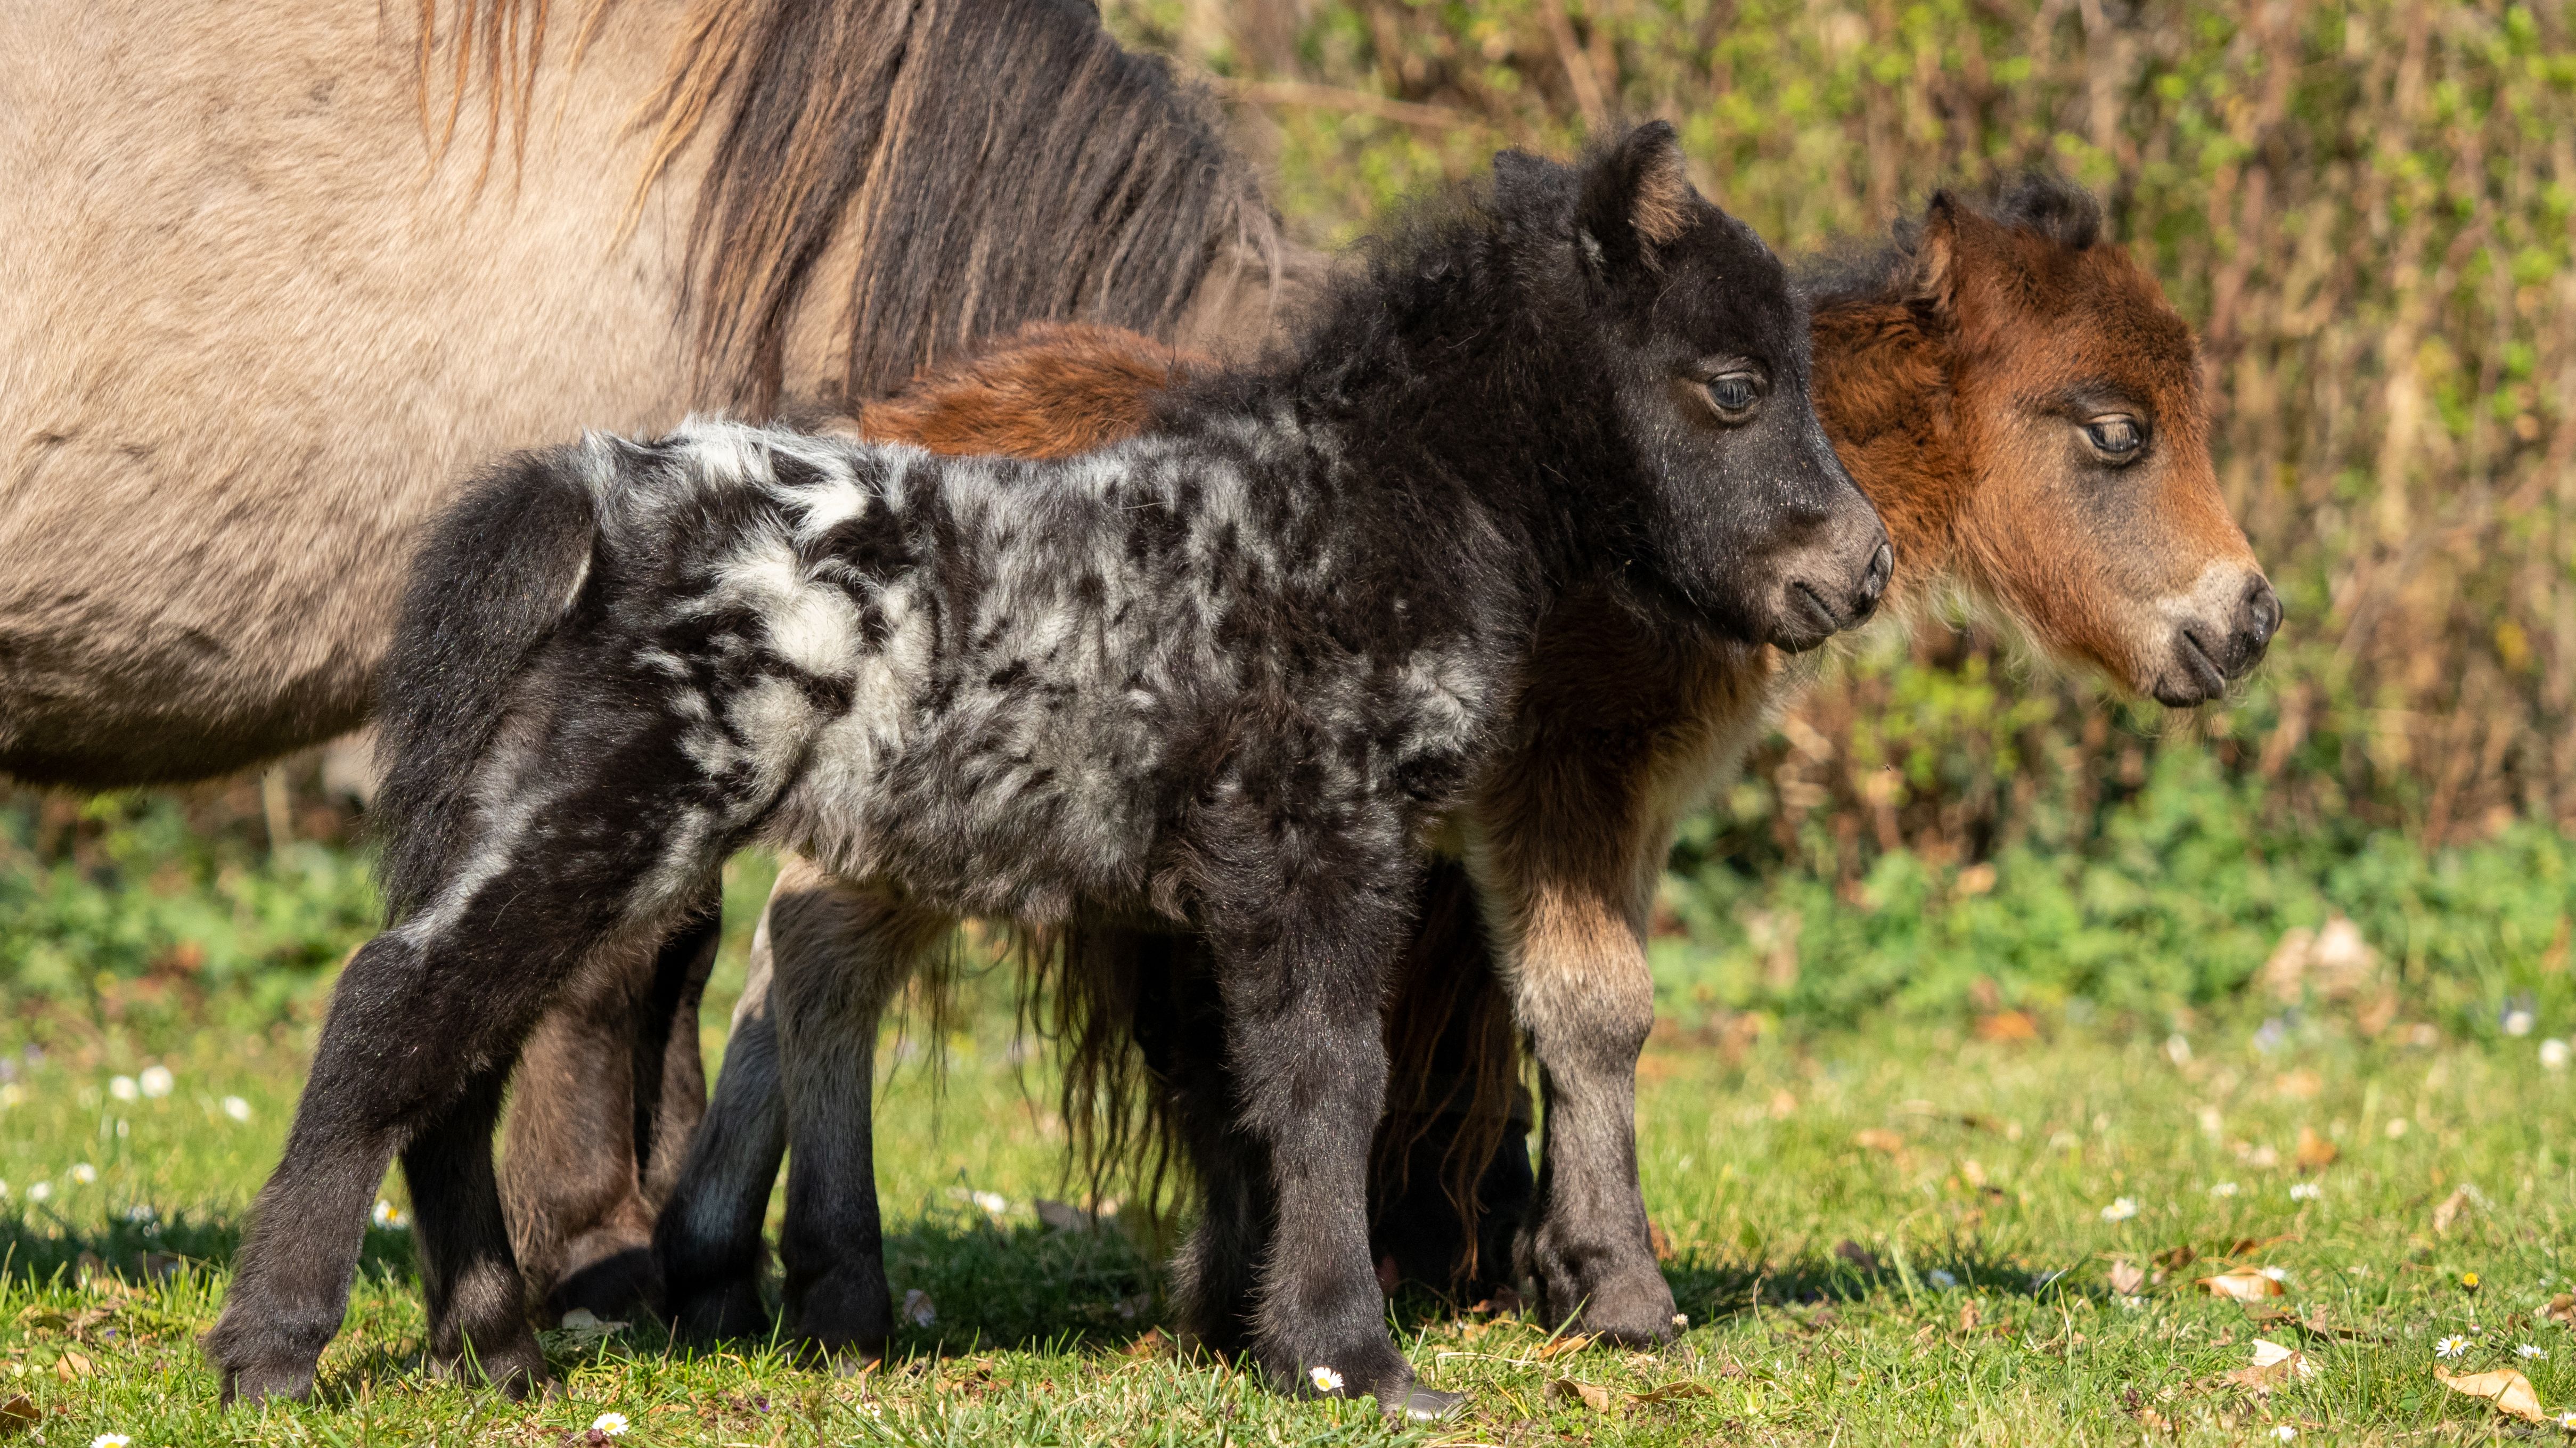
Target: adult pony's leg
836	957
591	1097
707	1240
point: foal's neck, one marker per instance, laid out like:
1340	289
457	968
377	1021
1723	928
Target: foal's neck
1882	390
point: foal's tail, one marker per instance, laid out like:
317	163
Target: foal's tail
500	568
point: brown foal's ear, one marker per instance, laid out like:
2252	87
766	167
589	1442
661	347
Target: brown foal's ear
1936	254
1636	198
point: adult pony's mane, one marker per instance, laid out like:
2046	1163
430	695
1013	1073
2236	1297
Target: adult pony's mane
996	162
2036	201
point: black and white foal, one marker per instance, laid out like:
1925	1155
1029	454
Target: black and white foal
1220	677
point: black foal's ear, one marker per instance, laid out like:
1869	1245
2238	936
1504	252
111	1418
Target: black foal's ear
1636	199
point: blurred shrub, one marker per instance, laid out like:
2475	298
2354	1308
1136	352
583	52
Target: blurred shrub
149	909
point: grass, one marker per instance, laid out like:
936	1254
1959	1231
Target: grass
1890	1236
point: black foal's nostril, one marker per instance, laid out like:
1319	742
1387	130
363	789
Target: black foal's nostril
1873	584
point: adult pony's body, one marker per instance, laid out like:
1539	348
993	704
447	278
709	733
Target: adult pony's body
273	275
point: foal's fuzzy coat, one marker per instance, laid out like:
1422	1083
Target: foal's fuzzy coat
1946	370
1221	675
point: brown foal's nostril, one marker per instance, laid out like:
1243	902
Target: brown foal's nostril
2257	619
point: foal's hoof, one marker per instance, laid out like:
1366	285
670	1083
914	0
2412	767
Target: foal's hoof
256	1383
1428	1405
621	1286
725	1312
517	1370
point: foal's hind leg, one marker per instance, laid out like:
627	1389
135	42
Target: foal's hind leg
577	1174
707	1240
427	1011
835	959
469	1279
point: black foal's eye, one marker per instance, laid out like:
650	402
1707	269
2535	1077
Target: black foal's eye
2115	438
1734	396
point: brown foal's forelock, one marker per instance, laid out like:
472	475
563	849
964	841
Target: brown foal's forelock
1956	387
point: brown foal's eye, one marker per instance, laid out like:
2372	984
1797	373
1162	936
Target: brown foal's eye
1734	396
2116	439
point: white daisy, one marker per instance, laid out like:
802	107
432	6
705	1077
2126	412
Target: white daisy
1325	1379
611	1424
2223	1189
236	1108
110	1440
2531	1350
2305	1191
122	1088
84	1173
2451	1347
391	1217
2120	1210
40	1191
2284	1433
1940	1279
156	1081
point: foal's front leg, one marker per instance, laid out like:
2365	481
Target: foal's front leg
1569	898
836	958
1302	973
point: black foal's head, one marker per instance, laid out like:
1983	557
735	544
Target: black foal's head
1702	344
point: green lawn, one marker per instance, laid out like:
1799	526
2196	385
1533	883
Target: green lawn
1893	1237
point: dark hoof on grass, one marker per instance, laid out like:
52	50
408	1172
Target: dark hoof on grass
620	1287
518	1370
730	1311
255	1383
1428	1405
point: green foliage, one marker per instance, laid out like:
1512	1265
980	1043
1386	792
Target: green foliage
134	914
2174	907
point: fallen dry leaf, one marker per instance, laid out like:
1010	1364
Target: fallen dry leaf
1969	1317
2127	1277
2175	1257
1590	1395
2273	1365
18	1415
2241	1286
71	1365
1673	1392
1662	1244
2315	1153
2510	1391
2007	1026
1856	1254
2300	1085
2461	1198
918	1309
1151	1344
2561	1309
1559	1347
1879	1138
1783	1105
